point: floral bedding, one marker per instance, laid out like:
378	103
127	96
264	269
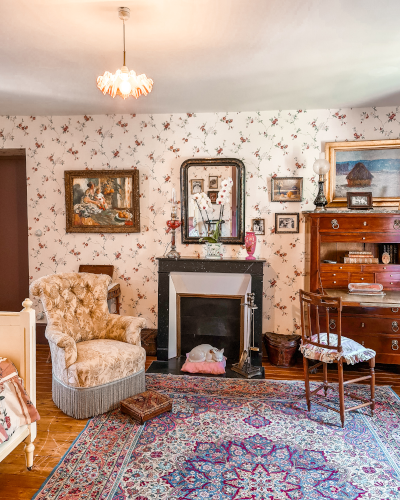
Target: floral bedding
16	408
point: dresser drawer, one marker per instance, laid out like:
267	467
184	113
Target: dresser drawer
335	280
387	347
335	268
361	325
388	280
362	278
360	223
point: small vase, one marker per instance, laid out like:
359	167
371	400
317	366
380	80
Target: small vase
214	250
250	243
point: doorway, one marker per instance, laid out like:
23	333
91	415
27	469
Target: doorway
14	257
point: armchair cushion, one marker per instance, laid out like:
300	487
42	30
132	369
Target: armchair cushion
104	360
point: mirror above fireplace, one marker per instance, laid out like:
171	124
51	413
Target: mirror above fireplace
207	175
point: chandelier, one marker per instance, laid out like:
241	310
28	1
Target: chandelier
124	82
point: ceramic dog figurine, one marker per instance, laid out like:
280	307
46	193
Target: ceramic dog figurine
205	352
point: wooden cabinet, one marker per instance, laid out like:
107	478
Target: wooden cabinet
331	236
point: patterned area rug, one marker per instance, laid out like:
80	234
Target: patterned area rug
230	439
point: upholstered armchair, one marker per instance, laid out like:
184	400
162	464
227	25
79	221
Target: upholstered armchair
97	357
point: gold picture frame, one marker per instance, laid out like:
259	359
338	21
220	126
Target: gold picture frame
102	201
331	151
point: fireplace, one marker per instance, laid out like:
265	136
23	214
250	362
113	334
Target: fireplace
217	288
210	319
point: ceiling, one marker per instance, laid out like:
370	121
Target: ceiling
203	55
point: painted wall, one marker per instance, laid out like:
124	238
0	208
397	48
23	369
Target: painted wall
283	143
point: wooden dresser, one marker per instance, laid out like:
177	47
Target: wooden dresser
330	236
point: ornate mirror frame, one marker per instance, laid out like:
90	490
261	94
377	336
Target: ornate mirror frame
204	162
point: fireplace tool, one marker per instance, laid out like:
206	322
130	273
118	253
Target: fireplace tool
244	367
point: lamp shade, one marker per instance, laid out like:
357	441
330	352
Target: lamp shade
321	166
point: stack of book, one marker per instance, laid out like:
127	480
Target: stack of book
360	258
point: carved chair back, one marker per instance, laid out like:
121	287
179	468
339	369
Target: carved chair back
312	305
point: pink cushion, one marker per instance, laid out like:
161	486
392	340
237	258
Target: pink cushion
212	367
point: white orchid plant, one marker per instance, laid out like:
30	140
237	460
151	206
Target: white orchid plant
204	204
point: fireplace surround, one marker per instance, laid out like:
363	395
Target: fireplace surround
205	278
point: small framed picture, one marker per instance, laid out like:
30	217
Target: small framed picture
357	200
196	186
258	226
213	181
287	223
213	195
287	189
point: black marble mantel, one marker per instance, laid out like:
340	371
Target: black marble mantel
194	265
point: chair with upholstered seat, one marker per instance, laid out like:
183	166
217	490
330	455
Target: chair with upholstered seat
327	347
97	356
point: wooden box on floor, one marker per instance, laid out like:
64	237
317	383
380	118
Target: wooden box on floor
146	405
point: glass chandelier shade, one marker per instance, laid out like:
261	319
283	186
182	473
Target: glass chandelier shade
123	82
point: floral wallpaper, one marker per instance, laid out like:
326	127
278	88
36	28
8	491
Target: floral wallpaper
270	143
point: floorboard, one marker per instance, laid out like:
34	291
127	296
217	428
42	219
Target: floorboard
56	431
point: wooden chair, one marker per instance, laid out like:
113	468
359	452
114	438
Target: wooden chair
328	347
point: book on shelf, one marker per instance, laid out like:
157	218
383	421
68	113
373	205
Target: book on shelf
357	256
361	260
359	253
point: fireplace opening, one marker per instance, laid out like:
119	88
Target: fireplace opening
210	319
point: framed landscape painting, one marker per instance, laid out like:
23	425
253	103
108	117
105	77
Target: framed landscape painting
102	201
364	166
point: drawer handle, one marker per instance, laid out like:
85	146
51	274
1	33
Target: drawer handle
391	282
395	309
396	224
340	267
384	268
395	326
335	224
363	238
362	325
335	282
395	345
365	223
362	343
332	324
362	279
333	274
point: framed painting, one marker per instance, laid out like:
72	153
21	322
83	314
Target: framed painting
196	186
213	195
287	223
258	226
364	166
102	201
286	189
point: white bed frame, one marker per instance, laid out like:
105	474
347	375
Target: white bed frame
18	343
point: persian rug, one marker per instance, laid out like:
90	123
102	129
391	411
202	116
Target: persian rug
229	439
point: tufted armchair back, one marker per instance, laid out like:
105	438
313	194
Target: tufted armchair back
75	303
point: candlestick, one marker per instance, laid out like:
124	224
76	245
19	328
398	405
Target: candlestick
173	196
173	224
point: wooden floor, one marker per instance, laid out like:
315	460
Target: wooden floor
56	431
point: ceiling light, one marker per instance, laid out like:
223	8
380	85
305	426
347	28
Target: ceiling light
124	82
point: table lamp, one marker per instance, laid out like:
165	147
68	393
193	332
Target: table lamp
321	167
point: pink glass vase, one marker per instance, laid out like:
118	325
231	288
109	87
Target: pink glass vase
250	243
